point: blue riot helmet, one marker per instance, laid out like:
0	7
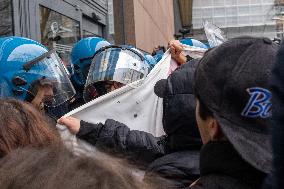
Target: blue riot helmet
150	60
193	42
114	66
158	53
28	69
158	57
81	57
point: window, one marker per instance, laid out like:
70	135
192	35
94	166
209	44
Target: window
89	34
90	28
58	32
6	18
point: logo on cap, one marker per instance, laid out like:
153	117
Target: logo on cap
259	104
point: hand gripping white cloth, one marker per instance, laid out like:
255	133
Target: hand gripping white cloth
135	104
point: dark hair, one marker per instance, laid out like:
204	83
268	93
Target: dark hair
55	167
22	125
204	112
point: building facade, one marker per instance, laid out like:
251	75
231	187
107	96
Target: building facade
143	23
234	17
60	23
6	18
57	24
279	18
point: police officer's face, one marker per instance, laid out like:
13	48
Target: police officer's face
44	95
48	93
112	85
101	88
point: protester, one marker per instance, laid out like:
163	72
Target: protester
180	165
179	148
22	125
56	168
177	48
81	58
232	112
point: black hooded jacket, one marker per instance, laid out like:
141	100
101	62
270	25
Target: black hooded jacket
221	167
174	156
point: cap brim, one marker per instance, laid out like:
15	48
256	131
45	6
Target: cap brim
160	88
254	147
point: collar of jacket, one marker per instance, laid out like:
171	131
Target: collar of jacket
179	142
220	157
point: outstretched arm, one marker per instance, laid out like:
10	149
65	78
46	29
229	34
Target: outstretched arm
116	138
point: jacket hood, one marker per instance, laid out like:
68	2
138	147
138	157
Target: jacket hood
179	120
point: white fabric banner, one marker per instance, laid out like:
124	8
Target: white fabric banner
135	105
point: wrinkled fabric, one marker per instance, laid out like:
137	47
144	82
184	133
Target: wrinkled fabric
135	104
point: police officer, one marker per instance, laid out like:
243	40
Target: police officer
113	67
81	57
32	73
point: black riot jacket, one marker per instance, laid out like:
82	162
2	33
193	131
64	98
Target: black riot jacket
174	156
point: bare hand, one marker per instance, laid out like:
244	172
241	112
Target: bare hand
72	124
176	49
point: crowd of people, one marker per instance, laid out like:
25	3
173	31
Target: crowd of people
222	117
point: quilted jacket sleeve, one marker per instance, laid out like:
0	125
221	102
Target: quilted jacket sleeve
116	138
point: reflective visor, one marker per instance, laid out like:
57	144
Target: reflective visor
117	64
48	78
